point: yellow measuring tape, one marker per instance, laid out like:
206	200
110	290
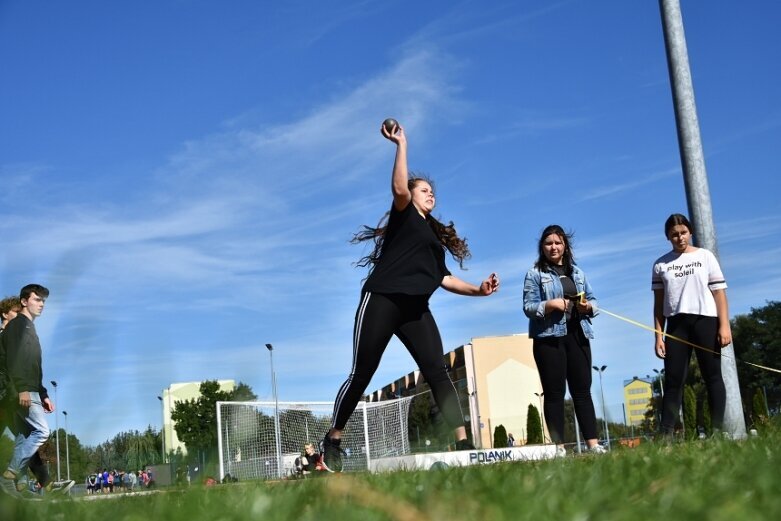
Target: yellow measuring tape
638	324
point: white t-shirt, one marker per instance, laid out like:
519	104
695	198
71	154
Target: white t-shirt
688	280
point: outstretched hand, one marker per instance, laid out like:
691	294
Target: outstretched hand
397	135
490	285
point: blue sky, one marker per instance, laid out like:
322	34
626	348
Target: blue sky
185	175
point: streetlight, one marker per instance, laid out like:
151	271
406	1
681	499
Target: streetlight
601	370
57	431
542	414
162	427
276	410
67	452
661	380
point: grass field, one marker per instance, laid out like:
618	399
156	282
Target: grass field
710	479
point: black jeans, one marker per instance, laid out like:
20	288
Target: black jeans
379	317
561	361
699	330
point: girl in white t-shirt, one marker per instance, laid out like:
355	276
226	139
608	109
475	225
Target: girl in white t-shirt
690	300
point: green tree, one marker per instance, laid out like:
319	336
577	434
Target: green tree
759	410
533	426
421	428
243	393
500	436
756	338
195	420
690	412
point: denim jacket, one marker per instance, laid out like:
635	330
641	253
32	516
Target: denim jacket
541	286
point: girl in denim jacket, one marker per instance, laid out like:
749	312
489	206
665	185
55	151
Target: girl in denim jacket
558	300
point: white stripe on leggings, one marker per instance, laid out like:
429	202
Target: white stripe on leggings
356	338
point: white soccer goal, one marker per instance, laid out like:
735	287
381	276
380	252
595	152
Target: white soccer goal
251	447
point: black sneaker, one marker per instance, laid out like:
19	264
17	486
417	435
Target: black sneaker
464	444
332	452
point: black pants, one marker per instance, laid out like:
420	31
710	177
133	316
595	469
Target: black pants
561	361
699	330
379	317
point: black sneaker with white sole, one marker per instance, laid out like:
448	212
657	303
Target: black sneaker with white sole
332	452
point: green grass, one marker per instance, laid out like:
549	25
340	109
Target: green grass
713	479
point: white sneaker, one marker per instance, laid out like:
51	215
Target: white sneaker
561	452
59	487
597	449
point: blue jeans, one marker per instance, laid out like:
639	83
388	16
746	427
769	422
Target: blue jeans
25	447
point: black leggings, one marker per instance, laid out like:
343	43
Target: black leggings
702	331
379	317
561	361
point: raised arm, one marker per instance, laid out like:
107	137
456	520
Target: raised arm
400	177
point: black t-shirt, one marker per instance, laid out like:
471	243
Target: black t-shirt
570	293
567	284
412	260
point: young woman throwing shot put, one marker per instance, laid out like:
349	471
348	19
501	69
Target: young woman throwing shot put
407	265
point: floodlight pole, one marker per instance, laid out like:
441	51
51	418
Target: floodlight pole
162	428
57	430
542	415
661	380
276	410
601	370
696	183
67	452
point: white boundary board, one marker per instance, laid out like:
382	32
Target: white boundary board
462	458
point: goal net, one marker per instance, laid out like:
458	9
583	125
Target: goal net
257	440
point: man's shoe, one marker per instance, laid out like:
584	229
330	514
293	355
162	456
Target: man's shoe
464	444
29	495
59	487
332	452
561	452
8	485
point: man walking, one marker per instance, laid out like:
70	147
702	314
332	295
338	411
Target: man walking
20	350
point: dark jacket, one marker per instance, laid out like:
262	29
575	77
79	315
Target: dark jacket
21	349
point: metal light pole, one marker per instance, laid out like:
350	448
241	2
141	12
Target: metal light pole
542	415
57	431
661	380
67	452
162	427
276	410
696	183
601	370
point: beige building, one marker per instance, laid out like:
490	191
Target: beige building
496	379
180	392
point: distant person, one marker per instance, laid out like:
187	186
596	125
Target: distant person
309	461
21	356
92	483
510	440
559	302
690	303
131	481
407	266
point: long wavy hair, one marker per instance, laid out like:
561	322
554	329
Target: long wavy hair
446	233
568	258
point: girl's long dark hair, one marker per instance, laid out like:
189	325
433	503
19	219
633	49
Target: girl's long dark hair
446	233
568	259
